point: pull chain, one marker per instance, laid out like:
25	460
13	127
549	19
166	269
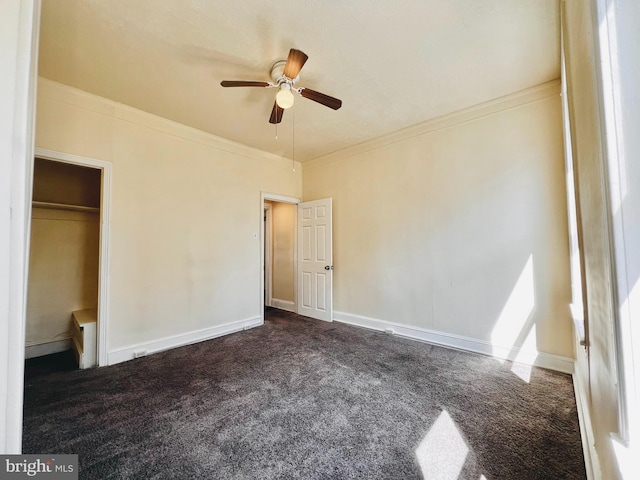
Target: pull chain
293	140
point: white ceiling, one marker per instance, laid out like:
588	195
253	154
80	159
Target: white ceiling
393	63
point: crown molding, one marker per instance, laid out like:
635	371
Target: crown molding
87	101
476	112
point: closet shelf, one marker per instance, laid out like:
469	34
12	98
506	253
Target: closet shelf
64	206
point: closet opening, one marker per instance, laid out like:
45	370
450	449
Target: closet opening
64	266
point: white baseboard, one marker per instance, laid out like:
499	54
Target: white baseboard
538	359
47	348
283	305
147	348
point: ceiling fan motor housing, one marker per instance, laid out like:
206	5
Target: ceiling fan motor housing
277	74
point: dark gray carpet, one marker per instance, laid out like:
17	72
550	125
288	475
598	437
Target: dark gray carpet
305	399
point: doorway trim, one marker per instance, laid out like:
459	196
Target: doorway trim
105	236
268	260
21	22
274	197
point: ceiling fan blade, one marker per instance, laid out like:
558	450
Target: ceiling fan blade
243	83
295	62
276	114
325	100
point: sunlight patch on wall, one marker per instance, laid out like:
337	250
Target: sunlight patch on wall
443	451
519	367
516	312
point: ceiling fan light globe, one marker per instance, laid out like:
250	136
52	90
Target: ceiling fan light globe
284	99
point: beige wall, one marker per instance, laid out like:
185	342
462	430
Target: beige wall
185	220
458	225
63	271
283	218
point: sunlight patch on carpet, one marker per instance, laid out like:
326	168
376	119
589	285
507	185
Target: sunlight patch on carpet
442	452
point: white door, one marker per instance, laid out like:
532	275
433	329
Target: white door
315	260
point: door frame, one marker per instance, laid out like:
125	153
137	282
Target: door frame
21	22
274	197
268	258
105	236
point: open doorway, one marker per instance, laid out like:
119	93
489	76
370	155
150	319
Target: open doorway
62	299
309	226
67	283
279	258
279	252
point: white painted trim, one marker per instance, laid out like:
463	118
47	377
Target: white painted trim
274	197
621	216
18	59
154	346
70	158
280	198
287	305
538	359
105	236
268	253
609	158
591	461
578	284
47	348
476	112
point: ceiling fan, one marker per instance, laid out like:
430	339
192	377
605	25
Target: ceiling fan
284	76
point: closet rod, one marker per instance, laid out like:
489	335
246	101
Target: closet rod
64	206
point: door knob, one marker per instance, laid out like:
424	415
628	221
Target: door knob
327	267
